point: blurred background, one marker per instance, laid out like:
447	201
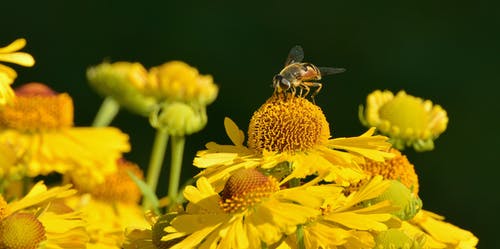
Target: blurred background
445	51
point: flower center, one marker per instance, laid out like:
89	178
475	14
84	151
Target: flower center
287	125
396	168
117	186
3	207
245	188
37	107
21	231
406	112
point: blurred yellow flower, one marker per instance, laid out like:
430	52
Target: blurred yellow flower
177	81
107	220
124	82
7	74
291	138
36	221
38	128
405	119
111	206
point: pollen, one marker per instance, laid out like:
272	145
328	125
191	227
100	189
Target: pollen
245	188
37	107
396	168
119	186
21	231
287	124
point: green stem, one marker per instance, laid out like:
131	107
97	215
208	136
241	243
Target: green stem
156	161
300	237
26	185
107	112
175	167
263	245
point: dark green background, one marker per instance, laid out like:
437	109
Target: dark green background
446	51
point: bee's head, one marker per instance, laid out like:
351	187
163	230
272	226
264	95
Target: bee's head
281	82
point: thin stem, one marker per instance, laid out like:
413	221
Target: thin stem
300	237
178	143
156	160
263	245
107	112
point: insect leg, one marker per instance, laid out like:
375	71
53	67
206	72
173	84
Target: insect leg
304	85
313	84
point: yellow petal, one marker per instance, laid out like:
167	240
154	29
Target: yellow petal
14	46
8	73
20	58
235	134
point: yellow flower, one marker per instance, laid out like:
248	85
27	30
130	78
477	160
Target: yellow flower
36	221
345	223
407	120
250	211
117	186
7	74
124	82
110	206
291	139
396	168
107	220
150	238
437	233
177	81
38	128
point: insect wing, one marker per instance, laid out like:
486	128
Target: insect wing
330	70
296	55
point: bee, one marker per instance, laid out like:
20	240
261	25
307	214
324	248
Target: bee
301	74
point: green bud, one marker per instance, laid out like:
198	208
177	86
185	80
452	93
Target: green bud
124	82
179	119
400	196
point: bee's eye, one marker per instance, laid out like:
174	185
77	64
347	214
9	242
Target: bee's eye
285	83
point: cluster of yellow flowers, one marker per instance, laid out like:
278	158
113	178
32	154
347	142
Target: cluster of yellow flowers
290	185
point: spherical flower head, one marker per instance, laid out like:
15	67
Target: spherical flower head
179	118
21	231
177	81
245	188
38	220
287	124
37	107
396	168
117	186
407	120
10	54
124	82
3	207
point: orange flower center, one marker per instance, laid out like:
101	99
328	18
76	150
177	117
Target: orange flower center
37	107
287	124
396	168
21	231
245	188
117	186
